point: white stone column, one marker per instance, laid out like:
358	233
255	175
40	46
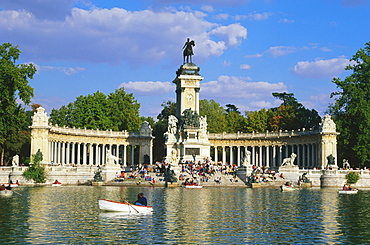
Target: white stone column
267	156
124	155
238	156
84	154
58	152
280	155
216	155
304	162
78	162
63	153
132	155
68	157
223	155
260	156
73	160
274	156
91	154
253	156
313	155
231	155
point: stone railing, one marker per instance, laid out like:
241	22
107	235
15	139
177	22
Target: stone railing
267	134
93	132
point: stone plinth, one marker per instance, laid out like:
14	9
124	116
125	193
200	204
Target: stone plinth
290	172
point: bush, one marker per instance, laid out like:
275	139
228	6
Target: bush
36	171
352	177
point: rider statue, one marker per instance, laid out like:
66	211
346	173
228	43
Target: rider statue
188	50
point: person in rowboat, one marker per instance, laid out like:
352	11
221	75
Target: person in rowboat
141	200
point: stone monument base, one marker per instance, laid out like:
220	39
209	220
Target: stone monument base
290	172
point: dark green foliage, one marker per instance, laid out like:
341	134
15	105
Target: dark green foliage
117	111
352	178
13	85
351	110
36	171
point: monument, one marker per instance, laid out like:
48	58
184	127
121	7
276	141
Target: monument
186	137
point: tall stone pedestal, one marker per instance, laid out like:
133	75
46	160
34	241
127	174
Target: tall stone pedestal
109	172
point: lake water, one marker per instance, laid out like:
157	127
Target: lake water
70	215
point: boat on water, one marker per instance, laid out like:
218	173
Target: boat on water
56	183
113	206
353	191
6	193
287	188
193	186
11	185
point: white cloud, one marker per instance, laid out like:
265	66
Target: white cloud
207	8
66	70
231	88
253	56
245	67
222	16
117	35
254	16
320	68
281	50
226	63
233	34
286	21
148	88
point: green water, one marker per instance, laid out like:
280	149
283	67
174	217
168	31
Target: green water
70	215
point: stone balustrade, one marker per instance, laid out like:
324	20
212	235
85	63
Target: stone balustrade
267	134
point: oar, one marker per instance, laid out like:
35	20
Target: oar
17	193
130	205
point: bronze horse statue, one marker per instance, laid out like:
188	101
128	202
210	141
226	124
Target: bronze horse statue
188	50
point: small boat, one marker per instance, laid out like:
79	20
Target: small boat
353	191
56	183
11	185
286	188
6	193
113	206
193	186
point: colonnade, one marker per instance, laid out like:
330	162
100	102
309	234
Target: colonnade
269	156
76	153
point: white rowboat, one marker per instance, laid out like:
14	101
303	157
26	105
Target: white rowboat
193	186
286	188
354	191
113	206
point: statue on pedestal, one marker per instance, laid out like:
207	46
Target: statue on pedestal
110	158
188	50
289	161
172	124
247	158
15	161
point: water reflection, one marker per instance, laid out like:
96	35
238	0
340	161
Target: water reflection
70	215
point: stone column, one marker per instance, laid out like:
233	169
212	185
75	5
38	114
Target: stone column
231	155
68	161
73	160
78	162
253	156
280	155
132	155
238	156
91	154
223	155
267	156
58	152
124	153
216	154
62	148
260	156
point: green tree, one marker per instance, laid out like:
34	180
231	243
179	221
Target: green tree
351	110
257	121
291	114
13	85
36	171
216	115
117	111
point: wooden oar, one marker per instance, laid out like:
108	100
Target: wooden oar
17	193
130	205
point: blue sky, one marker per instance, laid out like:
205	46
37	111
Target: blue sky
246	49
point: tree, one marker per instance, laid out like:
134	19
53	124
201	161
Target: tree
36	171
117	111
291	114
256	121
13	86
351	110
216	115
